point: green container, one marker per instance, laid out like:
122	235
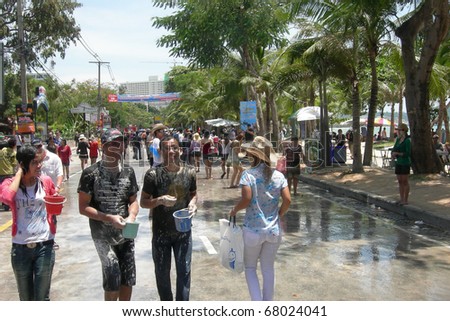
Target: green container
130	231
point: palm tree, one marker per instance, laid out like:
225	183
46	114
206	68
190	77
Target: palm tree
431	22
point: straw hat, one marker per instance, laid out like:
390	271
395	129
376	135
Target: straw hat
82	137
260	148
158	127
196	136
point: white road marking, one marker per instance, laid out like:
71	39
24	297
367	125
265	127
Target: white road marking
209	247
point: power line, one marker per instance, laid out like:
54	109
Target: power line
88	49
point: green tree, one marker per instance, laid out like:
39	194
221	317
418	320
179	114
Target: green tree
49	28
206	32
421	36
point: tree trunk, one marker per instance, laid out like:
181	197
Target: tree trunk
447	127
356	113
325	135
274	117
372	108
253	96
400	106
431	19
444	116
392	127
249	65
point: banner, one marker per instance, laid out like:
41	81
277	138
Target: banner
113	98
248	114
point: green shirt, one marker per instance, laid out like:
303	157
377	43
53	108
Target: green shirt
404	148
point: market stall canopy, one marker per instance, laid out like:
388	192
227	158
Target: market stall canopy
84	108
307	113
381	122
220	122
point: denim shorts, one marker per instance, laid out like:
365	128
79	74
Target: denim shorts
118	264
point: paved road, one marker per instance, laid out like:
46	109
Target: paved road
334	248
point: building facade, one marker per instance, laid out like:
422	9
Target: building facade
151	87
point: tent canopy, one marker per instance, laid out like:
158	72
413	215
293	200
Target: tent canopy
220	122
307	113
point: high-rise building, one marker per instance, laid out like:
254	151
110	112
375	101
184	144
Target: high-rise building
151	87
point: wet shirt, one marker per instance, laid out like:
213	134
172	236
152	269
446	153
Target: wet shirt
293	155
110	192
157	182
261	215
32	224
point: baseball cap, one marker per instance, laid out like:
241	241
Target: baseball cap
110	134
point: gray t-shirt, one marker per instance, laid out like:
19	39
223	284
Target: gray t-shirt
110	192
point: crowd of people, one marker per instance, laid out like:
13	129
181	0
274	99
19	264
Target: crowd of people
108	197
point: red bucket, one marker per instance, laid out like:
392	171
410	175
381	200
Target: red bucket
54	204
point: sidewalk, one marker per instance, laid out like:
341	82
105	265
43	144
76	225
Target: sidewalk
429	199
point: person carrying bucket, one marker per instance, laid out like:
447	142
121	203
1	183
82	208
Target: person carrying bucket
33	228
167	189
107	195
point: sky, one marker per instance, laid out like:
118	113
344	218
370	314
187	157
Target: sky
121	33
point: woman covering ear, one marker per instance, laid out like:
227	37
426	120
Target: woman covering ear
33	230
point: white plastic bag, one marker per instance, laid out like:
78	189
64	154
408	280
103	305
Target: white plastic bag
231	252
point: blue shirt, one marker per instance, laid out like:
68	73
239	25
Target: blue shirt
261	215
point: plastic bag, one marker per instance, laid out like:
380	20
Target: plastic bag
231	252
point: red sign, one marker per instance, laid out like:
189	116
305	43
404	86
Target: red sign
112	98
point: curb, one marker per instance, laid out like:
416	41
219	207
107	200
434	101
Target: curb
409	211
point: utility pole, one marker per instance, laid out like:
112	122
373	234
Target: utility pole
99	97
22	54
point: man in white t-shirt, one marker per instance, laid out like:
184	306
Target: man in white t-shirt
158	133
52	164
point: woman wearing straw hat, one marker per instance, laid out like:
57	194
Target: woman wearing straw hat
262	187
401	153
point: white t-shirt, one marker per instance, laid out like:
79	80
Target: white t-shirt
32	225
157	160
52	166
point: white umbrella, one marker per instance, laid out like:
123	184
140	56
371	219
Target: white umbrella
308	113
219	122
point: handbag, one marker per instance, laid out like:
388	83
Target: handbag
281	165
231	251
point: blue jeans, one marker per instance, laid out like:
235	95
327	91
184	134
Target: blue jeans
181	243
33	270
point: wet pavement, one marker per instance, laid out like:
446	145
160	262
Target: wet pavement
334	248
